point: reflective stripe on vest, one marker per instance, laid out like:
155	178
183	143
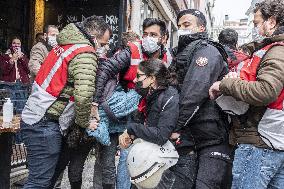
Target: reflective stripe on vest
136	57
53	76
50	81
271	125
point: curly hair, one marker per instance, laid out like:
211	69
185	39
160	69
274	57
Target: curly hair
271	8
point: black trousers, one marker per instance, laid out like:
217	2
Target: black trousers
182	175
104	168
209	168
75	160
5	159
214	167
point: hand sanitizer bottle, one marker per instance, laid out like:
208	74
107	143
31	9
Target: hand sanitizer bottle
8	111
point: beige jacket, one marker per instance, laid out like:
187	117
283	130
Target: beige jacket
37	56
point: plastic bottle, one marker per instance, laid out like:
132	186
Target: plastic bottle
8	111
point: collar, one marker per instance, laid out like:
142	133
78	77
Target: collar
185	40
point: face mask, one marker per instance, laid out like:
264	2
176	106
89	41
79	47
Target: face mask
150	44
181	32
51	40
101	52
140	90
255	33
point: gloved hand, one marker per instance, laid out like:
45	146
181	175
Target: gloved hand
77	136
74	136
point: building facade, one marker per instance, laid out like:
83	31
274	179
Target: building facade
165	10
250	14
240	26
206	7
26	18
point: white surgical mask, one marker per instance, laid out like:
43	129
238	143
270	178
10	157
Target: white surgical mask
52	41
150	44
181	32
101	52
256	35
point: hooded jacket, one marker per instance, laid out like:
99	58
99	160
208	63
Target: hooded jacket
80	80
82	73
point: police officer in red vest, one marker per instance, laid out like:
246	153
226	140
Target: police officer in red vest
61	96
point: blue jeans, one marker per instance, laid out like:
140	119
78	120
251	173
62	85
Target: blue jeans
123	178
258	168
43	142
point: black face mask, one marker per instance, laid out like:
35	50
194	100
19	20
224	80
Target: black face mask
141	91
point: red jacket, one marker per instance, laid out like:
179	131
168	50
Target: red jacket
8	70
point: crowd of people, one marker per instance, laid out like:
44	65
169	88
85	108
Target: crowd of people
205	114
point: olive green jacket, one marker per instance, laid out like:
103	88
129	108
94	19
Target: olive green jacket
81	78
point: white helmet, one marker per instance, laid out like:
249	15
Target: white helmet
147	161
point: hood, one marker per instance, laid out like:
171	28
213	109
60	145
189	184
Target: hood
70	34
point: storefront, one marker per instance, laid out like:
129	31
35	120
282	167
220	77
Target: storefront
63	12
14	21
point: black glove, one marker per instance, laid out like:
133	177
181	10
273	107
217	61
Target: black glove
74	136
77	136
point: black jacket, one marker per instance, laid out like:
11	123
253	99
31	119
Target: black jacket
109	69
200	119
161	117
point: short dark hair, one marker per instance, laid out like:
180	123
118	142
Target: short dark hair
154	21
46	28
39	34
201	20
39	37
96	24
156	67
271	8
228	37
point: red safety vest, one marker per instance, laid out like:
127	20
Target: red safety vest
49	83
271	126
136	57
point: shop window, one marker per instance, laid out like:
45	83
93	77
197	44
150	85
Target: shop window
14	20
